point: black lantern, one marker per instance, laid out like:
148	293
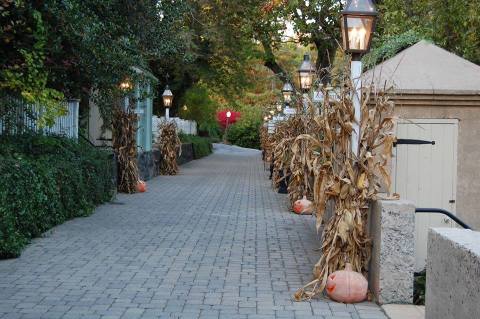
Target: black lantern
305	73
287	92
167	97
358	25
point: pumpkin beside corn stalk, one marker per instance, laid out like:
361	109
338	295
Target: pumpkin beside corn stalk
351	182
125	148
170	147
293	156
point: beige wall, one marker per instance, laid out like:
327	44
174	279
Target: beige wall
468	167
95	132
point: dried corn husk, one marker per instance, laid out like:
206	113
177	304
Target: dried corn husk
351	182
125	147
170	147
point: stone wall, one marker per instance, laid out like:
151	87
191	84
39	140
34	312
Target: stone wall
187	154
453	274
392	229
149	162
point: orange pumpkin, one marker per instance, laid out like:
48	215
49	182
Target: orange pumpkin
347	286
303	206
141	187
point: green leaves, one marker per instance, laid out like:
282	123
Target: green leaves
390	46
454	24
45	181
24	72
201	145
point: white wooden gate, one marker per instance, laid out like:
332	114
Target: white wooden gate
427	174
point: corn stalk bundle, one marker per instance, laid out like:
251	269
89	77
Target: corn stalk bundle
125	148
170	147
285	133
266	144
304	158
351	182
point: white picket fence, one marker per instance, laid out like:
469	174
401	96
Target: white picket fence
184	126
22	117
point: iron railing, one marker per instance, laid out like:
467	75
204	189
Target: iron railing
444	212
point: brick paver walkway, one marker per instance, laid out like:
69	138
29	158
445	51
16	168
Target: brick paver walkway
212	242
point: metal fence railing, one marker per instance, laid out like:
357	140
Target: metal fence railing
18	117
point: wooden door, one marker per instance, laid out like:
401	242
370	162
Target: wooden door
426	174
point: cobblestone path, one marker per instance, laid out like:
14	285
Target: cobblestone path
212	242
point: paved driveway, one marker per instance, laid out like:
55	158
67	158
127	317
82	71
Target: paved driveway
212	242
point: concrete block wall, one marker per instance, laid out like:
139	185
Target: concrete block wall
392	229
453	274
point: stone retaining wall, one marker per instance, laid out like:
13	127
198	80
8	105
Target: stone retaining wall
453	274
392	229
149	162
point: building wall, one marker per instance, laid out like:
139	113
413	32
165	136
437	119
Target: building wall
468	160
96	135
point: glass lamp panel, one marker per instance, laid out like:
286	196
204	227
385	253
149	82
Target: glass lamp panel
287	96
306	80
359	31
167	100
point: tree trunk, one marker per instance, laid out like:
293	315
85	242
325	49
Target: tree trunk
271	62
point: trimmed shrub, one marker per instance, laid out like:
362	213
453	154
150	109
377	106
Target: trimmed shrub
45	181
201	145
245	133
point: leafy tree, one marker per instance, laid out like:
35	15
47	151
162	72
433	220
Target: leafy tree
22	57
453	24
84	48
317	22
200	108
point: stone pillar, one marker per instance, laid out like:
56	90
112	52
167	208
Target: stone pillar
392	229
453	274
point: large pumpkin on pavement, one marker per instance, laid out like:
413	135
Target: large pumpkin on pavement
347	286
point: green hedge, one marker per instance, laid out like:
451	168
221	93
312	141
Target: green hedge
46	181
245	133
201	145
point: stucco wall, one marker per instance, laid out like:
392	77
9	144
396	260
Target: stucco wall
468	165
453	274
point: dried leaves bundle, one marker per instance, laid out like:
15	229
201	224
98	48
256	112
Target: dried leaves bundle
304	158
266	144
294	157
351	182
170	147
125	148
285	133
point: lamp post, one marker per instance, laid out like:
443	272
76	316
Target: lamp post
167	101
228	114
358	25
305	75
125	86
287	92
